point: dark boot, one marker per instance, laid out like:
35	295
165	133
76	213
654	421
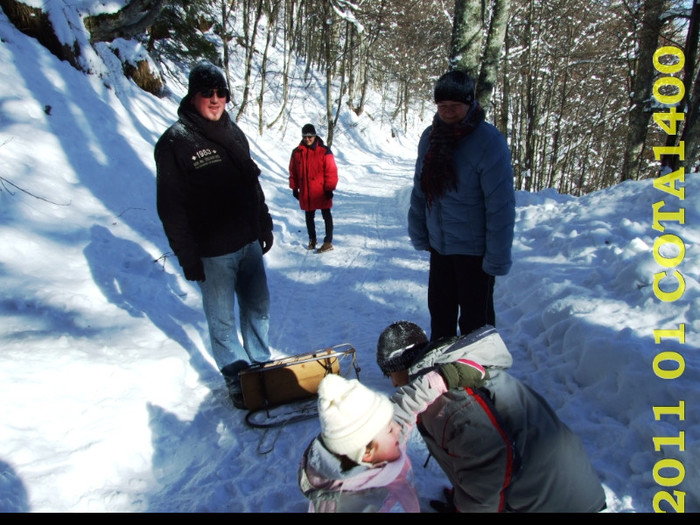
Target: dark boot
233	382
447	506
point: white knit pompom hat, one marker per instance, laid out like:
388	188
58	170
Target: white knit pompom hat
351	415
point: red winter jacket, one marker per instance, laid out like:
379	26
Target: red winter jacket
313	172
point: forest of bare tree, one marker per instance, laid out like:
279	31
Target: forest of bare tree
588	94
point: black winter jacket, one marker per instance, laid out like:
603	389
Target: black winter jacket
209	197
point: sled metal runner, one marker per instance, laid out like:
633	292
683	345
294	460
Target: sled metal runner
281	415
284	391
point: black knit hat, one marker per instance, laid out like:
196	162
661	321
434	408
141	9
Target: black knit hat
455	86
399	345
205	75
308	130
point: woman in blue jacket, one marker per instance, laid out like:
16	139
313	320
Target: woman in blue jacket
462	209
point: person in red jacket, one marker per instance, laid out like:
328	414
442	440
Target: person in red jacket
313	177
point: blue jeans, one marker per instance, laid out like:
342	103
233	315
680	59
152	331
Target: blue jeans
239	275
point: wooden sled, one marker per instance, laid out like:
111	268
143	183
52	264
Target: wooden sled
285	390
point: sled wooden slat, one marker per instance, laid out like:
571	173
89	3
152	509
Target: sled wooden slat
291	378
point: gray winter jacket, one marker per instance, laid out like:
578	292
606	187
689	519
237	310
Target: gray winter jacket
478	217
502	446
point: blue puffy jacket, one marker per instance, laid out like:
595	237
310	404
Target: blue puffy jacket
478	217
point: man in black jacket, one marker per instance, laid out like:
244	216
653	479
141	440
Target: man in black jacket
213	211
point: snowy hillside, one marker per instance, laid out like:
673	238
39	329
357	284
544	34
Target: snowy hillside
111	400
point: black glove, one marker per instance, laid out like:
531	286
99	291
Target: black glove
447	506
266	241
329	194
463	373
296	194
195	272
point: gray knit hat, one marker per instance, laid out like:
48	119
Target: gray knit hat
399	345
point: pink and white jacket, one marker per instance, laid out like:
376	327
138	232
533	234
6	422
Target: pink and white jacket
385	487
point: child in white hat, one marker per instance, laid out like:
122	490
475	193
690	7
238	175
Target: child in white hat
358	463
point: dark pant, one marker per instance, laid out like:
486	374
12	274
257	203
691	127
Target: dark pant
311	224
458	289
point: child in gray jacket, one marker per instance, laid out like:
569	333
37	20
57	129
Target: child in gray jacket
501	445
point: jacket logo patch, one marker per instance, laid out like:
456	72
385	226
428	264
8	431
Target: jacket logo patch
204	158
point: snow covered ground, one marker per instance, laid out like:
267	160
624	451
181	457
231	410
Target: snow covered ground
111	401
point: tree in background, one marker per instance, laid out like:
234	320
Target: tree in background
178	32
647	19
478	35
690	102
569	84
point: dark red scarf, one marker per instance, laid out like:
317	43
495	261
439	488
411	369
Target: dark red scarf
439	172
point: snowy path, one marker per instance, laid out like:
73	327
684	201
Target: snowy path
361	265
359	273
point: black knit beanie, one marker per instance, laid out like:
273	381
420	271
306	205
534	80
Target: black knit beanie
308	130
455	86
399	345
205	75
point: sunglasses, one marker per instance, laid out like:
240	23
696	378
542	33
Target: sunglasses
208	93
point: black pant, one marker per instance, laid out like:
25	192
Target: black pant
327	220
458	289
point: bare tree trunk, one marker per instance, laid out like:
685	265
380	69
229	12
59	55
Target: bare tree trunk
556	135
131	20
226	10
691	130
492	53
531	114
350	61
329	105
363	53
639	114
271	13
467	36
344	67
250	36
503	121
292	19
263	82
329	59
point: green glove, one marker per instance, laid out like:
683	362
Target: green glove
463	373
